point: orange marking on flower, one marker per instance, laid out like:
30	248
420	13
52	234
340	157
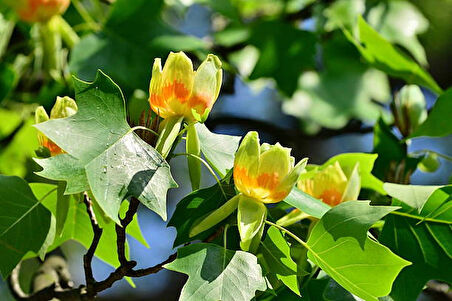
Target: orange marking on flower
241	175
156	100
176	89
331	197
279	195
53	148
199	100
268	181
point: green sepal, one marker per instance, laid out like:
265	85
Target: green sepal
200	118
169	129
216	216
193	147
250	220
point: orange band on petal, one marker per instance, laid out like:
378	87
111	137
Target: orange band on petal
176	89
268	181
331	197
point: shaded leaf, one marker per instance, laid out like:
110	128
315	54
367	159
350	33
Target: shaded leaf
195	206
276	253
412	195
215	273
26	225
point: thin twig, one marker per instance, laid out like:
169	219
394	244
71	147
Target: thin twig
121	230
151	270
87	259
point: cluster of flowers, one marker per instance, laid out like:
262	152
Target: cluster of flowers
262	173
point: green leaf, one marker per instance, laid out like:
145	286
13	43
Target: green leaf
366	164
437	123
276	253
15	157
306	203
65	168
339	244
62	208
391	19
379	53
282	56
24	222
9	121
132	36
219	150
215	273
412	195
426	244
391	152
195	206
117	163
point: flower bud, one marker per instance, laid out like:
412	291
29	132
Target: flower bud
177	90
409	109
63	107
39	10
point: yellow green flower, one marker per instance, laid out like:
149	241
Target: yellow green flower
63	107
38	10
179	91
262	174
332	184
265	172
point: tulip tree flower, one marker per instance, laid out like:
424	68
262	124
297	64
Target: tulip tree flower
263	174
64	107
177	93
39	10
331	184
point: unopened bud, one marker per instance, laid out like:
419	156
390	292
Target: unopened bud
409	109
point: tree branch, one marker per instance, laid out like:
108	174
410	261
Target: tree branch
87	259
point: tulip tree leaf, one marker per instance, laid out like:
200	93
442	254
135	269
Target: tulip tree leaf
437	123
276	254
24	222
427	244
215	273
116	162
412	195
219	150
381	54
65	168
196	205
306	203
282	56
339	245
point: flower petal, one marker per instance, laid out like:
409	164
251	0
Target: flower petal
177	77
353	187
207	83
250	220
63	107
274	165
246	163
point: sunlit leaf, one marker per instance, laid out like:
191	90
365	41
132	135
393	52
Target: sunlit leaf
340	246
215	273
116	162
